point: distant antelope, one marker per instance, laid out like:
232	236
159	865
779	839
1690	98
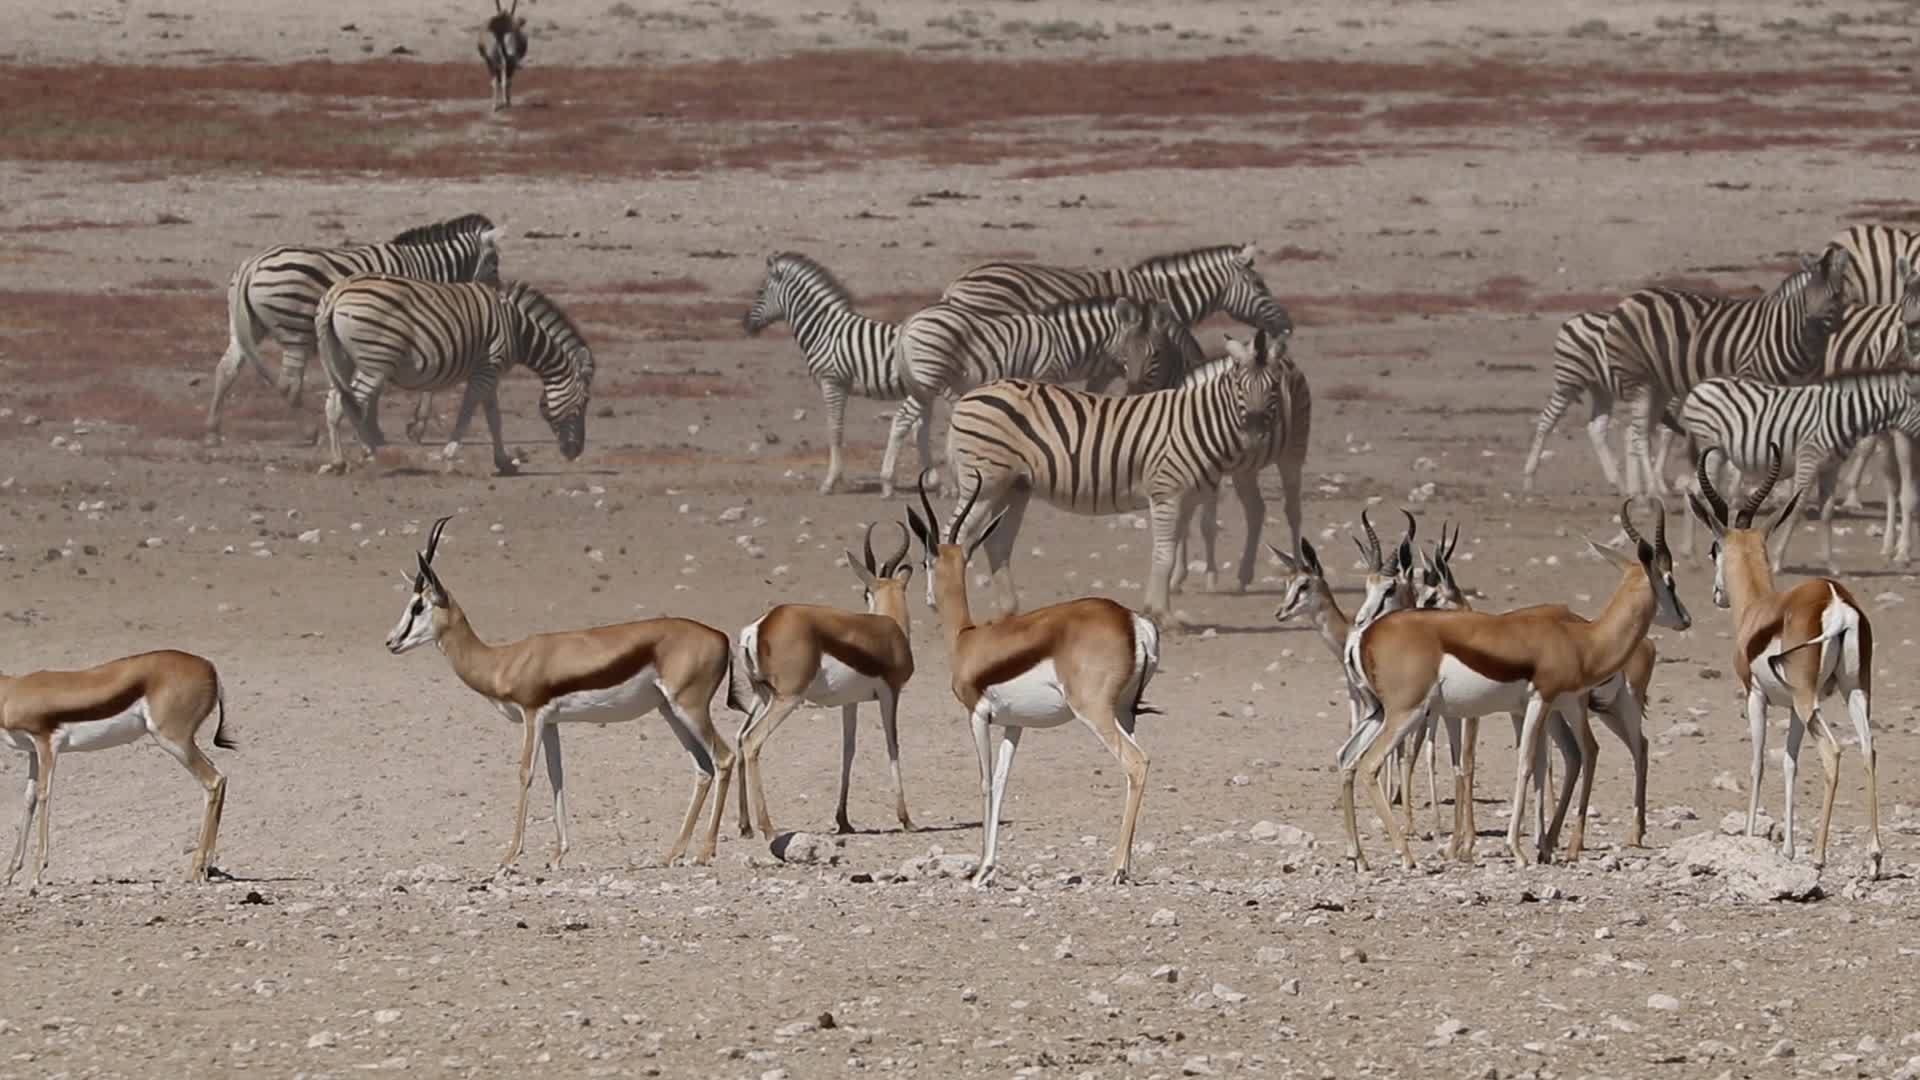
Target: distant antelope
165	694
801	654
504	47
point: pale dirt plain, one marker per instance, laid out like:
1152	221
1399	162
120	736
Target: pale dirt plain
1434	187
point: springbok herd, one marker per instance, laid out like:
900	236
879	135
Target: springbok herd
1812	370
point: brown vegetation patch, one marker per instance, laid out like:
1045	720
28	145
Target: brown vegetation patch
65	225
816	111
162	283
100	355
1504	294
657	286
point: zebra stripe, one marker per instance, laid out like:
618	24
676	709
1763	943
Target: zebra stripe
1867	339
1580	369
1818	423
1093	454
1284	446
944	350
1662	342
1881	260
847	353
1196	283
419	335
275	293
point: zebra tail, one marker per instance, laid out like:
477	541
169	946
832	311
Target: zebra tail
333	356
220	737
244	327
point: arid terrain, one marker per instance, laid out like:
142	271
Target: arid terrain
1433	188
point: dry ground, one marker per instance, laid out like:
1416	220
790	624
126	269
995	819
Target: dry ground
1434	185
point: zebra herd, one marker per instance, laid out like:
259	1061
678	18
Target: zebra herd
1001	339
1823	363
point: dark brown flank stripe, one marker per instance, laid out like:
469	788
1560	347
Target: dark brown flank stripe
110	707
625	667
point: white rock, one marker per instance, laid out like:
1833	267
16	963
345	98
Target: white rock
732	514
1751	868
1663	1003
320	1040
311	536
1163	917
387	1016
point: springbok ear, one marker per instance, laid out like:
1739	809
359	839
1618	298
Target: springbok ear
1310	558
904	572
984	533
1286	560
1618	558
859	571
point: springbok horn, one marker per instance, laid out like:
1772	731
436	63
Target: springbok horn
1759	496
433	537
893	561
926	504
1626	523
1714	502
959	519
1660	531
1373	543
866	549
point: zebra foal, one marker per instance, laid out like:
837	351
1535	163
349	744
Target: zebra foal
1093	454
374	329
847	353
1821	422
275	294
1663	342
944	350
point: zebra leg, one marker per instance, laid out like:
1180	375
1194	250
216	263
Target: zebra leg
1247	486
835	395
1903	465
1171	516
469	401
422	415
337	459
1000	545
1857	462
503	462
903	419
1640	475
1556	407
1803	481
923	435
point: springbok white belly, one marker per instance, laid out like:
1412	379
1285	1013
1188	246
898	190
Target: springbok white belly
102	734
627	700
1033	698
838	684
1464	692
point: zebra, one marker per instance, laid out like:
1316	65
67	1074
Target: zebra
276	292
1822	422
1580	369
1870	339
1093	454
504	48
1196	283
847	353
945	350
1663	341
1880	258
424	335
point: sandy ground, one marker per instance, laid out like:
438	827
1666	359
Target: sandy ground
1434	186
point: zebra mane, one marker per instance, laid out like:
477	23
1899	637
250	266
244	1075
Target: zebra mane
441	231
1171	260
540	310
1208	371
816	275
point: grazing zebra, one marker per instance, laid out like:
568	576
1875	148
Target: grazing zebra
504	47
1580	369
1663	341
1093	454
945	350
1197	283
1822	422
1878	264
276	292
424	335
847	353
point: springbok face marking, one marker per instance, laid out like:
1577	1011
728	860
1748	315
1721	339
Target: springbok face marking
426	605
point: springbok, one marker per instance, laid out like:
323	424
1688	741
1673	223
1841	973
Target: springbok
1088	659
801	654
600	675
1791	649
1465	663
165	694
504	47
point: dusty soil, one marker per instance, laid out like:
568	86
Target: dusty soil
1434	185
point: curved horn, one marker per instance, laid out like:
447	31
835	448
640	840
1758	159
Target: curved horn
1714	502
1626	522
866	548
1373	544
933	519
959	519
433	537
1660	531
894	560
1759	496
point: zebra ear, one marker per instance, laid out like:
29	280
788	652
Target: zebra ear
1260	346
1247	254
1128	312
1238	350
